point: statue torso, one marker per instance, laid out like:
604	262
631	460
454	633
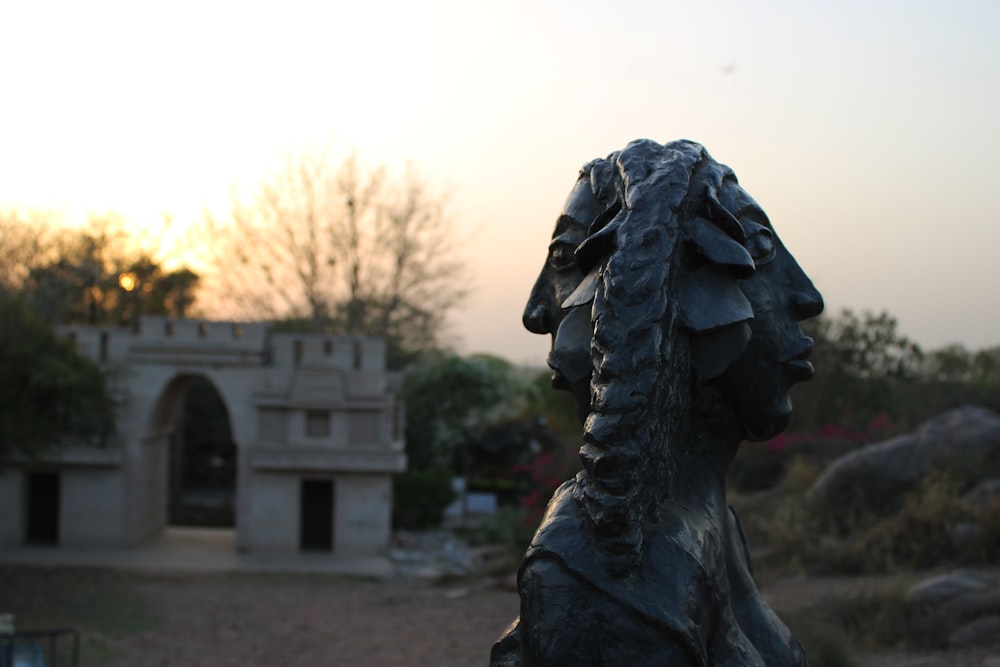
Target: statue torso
692	595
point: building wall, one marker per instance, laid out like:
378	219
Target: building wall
279	390
92	508
146	476
12	497
272	520
363	517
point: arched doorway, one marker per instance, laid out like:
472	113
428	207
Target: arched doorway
186	465
201	486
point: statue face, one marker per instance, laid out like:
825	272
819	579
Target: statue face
757	383
776	357
559	276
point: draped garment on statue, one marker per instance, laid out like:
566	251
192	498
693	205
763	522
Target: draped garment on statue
690	602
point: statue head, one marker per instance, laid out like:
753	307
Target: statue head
680	312
592	197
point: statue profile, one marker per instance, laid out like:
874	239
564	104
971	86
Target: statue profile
674	312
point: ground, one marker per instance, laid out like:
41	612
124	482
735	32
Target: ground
219	620
266	620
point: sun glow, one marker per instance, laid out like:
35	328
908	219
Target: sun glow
127	281
854	124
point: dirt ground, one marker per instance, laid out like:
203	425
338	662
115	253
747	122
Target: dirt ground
220	620
272	620
244	621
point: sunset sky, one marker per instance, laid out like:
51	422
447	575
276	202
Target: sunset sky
868	130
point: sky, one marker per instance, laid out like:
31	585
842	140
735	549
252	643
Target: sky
868	130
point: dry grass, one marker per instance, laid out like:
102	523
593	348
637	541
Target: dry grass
920	535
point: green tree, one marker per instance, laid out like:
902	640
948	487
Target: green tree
338	247
951	363
451	400
95	275
451	404
419	498
955	363
47	390
862	362
94	279
557	407
954	375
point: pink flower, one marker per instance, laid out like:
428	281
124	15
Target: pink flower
779	442
881	422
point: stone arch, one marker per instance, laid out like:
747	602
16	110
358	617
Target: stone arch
302	408
153	461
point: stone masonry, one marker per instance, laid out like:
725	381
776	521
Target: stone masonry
304	409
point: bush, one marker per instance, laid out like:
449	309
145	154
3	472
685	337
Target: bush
509	528
47	389
833	627
920	535
825	644
419	498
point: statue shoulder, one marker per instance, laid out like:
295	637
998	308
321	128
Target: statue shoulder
565	621
565	566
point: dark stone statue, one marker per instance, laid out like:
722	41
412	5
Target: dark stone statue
674	312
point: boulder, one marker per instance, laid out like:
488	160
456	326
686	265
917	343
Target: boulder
964	534
984	494
957	609
970	605
980	632
946	586
963	443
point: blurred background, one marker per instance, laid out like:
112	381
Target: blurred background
396	168
866	130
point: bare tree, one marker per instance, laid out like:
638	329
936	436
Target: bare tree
25	241
341	248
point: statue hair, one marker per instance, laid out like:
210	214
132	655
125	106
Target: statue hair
643	380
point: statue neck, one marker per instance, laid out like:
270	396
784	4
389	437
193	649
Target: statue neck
700	465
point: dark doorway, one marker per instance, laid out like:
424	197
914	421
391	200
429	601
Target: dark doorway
43	508
316	517
202	461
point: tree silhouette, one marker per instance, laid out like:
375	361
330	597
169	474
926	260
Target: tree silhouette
341	248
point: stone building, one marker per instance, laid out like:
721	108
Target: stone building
316	419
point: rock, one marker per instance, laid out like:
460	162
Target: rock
964	534
958	609
962	443
980	632
969	605
822	450
924	661
984	493
947	586
433	555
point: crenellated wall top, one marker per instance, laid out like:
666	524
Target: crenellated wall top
183	340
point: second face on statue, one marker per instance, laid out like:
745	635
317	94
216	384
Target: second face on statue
779	292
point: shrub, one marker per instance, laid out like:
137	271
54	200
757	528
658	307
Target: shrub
419	498
47	389
508	529
858	540
825	644
833	627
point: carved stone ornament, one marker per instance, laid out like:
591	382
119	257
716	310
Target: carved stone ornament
674	313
